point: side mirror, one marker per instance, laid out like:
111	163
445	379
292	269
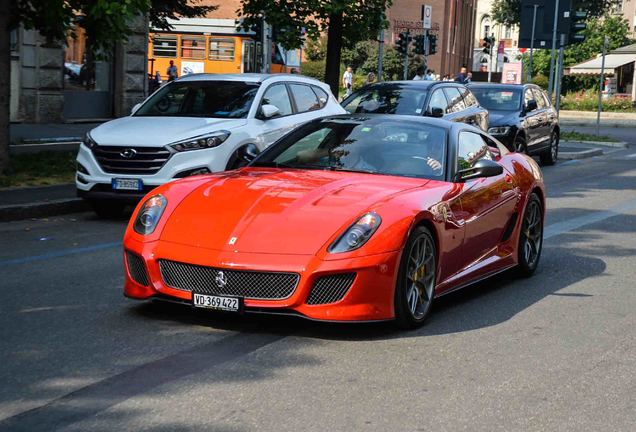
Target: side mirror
269	111
135	108
531	105
436	112
482	168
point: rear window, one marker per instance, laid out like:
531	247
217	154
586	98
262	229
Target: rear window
498	99
387	99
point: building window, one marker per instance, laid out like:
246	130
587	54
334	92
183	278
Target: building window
221	49
508	32
13	40
193	47
164	46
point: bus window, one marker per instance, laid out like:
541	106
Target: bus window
164	46
221	49
193	47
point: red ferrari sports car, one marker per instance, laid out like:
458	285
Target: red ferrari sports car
346	218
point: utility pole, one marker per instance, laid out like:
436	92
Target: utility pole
552	56
406	56
600	88
380	54
560	74
534	26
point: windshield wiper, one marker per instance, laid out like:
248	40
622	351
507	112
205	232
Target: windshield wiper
335	168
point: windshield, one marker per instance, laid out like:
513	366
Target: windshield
498	99
376	146
387	99
213	99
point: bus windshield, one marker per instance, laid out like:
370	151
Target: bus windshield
213	99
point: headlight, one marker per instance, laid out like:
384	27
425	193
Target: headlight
149	215
89	141
202	142
357	234
499	130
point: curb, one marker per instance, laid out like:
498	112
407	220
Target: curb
617	144
48	146
42	209
606	123
580	154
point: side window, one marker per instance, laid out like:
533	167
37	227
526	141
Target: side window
277	95
455	100
438	100
469	98
472	148
548	104
306	99
538	96
323	97
527	97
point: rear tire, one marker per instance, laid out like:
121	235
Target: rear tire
417	277
530	237
519	144
108	209
550	156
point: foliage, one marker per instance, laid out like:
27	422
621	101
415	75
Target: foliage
314	69
316	49
508	12
588	101
363	58
40	169
541	81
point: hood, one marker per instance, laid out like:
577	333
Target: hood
275	211
503	118
158	131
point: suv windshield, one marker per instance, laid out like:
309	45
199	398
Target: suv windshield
213	99
375	145
387	99
498	99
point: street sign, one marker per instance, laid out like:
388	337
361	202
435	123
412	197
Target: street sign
427	17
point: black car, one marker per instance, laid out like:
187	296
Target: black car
448	100
522	118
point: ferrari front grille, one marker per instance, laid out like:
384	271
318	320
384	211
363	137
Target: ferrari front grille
215	281
330	289
137	268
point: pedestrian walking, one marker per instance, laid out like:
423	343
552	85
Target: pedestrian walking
347	81
420	73
461	76
430	75
172	72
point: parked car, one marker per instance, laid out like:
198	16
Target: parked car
522	117
196	124
347	218
443	99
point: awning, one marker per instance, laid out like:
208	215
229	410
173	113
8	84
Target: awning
593	67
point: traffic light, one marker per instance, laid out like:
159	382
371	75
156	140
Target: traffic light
578	24
420	44
432	44
489	41
402	44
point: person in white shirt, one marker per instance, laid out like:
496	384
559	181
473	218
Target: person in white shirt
430	75
347	81
419	73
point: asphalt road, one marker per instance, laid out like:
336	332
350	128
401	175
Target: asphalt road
556	352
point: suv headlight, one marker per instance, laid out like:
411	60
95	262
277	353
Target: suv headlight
149	214
501	130
357	234
201	142
89	141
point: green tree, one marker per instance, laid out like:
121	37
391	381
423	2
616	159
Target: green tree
106	22
344	21
508	12
316	49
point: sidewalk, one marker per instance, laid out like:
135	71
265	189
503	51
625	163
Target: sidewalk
42	201
20	133
588	118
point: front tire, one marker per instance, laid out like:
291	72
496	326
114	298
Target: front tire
530	237
519	144
417	277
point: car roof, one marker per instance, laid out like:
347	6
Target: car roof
415	83
501	85
248	77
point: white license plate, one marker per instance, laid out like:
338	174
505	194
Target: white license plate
127	184
230	304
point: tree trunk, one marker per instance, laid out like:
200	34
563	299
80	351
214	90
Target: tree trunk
5	84
334	46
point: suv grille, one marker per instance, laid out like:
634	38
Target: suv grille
209	280
137	268
142	160
330	289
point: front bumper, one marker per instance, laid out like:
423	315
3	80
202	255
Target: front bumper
369	298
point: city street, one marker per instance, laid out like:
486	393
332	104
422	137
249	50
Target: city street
553	352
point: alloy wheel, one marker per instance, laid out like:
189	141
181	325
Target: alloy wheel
420	277
532	230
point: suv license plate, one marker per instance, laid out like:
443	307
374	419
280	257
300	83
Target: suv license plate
230	304
127	184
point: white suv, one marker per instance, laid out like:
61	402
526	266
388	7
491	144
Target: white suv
197	124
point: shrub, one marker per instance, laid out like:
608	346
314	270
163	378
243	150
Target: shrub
314	69
588	101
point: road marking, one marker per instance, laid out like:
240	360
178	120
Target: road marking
578	222
60	253
571	162
631	156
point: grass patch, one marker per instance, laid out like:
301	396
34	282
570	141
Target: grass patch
578	136
40	169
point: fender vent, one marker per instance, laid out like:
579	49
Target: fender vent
511	226
137	268
330	289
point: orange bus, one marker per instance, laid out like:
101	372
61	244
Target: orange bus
206	45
